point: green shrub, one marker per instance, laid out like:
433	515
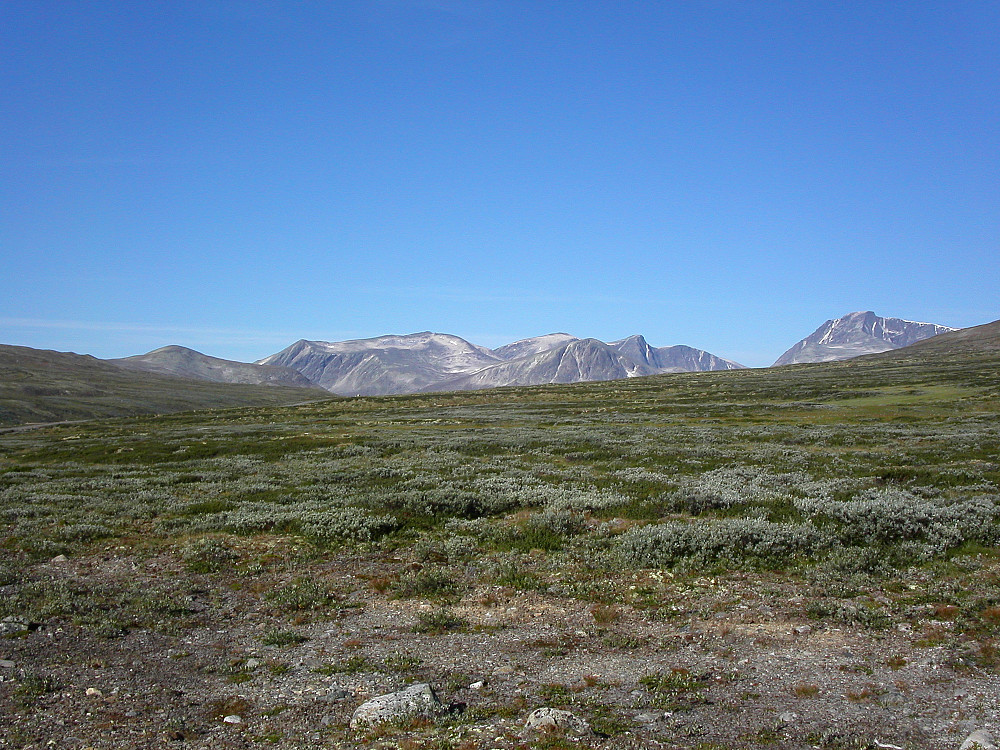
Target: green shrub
346	524
731	541
208	555
439	621
276	637
303	594
428	583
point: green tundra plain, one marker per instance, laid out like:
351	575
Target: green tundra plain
608	548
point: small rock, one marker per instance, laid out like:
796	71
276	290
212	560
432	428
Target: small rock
233	719
6	664
94	693
979	740
478	685
788	717
13	625
802	629
252	664
648	717
550	719
59	559
415	701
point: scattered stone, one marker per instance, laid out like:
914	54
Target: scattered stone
551	719
233	719
13	625
252	664
802	629
415	701
94	693
981	739
788	717
59	559
478	685
649	717
6	664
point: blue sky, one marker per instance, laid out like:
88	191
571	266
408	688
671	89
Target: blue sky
233	176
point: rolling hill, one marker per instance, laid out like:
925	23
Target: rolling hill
48	386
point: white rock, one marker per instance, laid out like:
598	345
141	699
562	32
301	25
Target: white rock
979	740
252	664
648	717
415	701
802	629
11	625
94	692
6	664
550	719
59	559
233	719
478	685
788	717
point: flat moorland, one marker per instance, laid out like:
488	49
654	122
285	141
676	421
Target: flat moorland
802	557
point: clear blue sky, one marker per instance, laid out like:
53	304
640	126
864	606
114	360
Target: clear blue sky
236	175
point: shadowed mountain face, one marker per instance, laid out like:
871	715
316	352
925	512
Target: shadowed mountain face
856	334
435	362
187	363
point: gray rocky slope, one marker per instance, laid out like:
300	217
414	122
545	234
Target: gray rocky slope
180	361
856	334
434	361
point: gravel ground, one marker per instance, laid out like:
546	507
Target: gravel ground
744	667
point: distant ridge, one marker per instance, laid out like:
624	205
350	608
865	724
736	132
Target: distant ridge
856	334
436	361
47	386
188	363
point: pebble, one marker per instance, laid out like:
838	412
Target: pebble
478	685
93	692
252	664
802	629
59	559
788	717
233	719
6	664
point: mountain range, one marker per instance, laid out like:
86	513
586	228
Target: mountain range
39	386
441	362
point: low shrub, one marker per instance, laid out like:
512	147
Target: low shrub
731	541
